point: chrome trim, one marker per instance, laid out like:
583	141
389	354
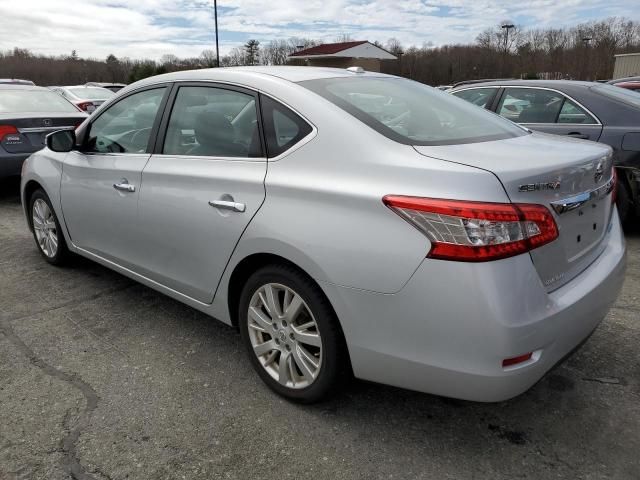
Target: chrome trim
568	204
124	187
45	129
228	205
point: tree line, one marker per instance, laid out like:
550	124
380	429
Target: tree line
583	52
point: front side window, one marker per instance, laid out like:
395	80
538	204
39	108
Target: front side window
213	122
125	127
411	113
478	96
530	105
283	127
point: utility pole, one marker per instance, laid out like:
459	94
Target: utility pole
215	15
586	41
507	27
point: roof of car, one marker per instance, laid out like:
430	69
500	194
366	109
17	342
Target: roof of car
531	83
19	86
290	73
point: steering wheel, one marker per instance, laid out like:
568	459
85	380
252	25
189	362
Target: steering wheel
138	141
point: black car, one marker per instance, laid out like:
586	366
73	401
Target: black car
27	115
593	111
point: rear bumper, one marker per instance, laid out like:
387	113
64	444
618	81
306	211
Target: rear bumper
448	330
11	164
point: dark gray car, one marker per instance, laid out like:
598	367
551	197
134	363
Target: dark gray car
27	115
592	111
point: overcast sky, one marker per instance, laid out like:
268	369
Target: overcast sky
151	28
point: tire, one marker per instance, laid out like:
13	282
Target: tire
46	229
624	202
314	356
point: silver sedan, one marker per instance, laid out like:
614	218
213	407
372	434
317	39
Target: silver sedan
347	223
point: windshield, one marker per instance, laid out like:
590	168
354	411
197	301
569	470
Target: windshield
18	101
92	93
618	93
412	113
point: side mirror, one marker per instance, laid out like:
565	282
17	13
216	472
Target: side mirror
61	141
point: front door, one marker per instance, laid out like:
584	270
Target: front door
202	188
101	182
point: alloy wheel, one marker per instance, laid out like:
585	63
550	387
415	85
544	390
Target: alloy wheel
285	336
44	226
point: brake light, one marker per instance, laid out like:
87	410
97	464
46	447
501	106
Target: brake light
476	231
84	106
7	130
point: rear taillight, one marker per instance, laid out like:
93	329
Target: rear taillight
476	231
614	191
84	106
7	130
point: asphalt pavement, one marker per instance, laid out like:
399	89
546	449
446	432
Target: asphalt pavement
102	378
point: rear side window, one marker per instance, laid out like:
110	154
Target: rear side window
573	113
213	122
478	96
18	101
283	128
530	105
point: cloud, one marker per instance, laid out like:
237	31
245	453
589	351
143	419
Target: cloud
151	28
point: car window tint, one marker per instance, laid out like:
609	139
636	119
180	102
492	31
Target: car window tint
573	113
477	96
213	122
125	127
412	113
283	127
529	105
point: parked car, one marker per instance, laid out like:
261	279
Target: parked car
27	115
419	242
624	79
85	98
586	110
634	86
114	87
15	81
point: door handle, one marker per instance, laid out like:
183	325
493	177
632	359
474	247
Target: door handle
578	135
228	205
124	186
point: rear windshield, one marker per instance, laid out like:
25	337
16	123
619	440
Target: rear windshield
91	93
412	113
618	93
18	101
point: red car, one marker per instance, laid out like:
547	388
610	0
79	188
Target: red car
629	85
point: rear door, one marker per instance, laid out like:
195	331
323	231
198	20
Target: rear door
202	187
548	111
101	182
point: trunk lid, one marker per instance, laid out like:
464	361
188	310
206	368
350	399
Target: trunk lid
573	178
34	127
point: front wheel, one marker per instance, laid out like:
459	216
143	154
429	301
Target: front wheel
46	229
291	333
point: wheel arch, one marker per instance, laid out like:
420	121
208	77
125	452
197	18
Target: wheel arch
252	263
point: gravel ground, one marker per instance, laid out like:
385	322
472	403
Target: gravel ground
102	378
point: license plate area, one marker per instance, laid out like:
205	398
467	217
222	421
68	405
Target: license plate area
584	227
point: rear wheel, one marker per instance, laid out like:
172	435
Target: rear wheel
624	202
46	229
291	334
